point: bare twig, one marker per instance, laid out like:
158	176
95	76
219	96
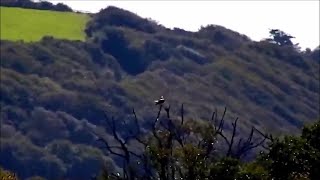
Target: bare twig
234	125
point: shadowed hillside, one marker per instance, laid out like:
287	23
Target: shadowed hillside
54	91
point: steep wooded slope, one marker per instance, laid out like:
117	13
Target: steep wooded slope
54	90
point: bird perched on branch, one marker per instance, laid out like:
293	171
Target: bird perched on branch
159	101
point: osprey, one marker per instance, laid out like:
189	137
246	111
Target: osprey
159	101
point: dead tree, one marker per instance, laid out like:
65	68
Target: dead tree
242	146
166	136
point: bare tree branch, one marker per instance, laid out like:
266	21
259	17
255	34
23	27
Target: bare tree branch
234	125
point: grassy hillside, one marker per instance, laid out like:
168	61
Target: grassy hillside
32	25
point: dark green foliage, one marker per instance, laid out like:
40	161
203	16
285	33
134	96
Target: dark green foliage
280	38
252	170
295	157
62	7
41	99
113	16
129	58
312	134
288	157
226	168
55	91
18	153
42	5
82	160
220	35
315	55
156	50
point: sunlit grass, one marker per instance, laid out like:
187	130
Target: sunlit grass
31	25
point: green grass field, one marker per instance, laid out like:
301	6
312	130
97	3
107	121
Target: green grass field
32	25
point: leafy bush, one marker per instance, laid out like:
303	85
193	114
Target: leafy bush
295	157
113	16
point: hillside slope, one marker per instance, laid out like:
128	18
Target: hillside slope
32	25
53	91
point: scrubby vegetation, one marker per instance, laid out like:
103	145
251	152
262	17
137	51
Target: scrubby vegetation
56	92
41	5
